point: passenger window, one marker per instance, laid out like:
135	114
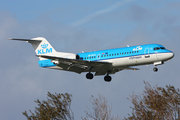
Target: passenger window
101	55
117	53
109	54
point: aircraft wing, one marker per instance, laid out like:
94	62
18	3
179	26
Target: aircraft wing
79	66
128	68
114	70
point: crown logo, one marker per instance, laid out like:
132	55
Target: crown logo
44	46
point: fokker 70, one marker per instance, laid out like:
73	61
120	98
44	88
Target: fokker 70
102	62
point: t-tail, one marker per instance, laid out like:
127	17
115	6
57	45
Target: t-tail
44	48
40	45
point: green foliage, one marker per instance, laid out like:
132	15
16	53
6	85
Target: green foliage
57	107
156	103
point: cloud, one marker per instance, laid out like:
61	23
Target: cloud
100	12
22	81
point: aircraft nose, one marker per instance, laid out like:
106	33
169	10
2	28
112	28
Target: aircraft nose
171	55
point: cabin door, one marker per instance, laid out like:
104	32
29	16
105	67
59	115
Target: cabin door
146	53
98	56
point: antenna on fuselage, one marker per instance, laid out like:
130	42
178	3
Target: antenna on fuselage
127	45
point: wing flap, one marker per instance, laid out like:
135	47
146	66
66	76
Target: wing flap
113	71
128	68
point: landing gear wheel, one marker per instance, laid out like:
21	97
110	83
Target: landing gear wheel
107	78
89	76
155	69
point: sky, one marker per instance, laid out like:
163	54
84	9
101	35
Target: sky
82	25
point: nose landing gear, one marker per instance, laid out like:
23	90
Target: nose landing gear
155	69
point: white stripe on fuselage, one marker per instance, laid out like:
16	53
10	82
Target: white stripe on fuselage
138	59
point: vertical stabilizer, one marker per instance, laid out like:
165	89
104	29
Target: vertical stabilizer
40	45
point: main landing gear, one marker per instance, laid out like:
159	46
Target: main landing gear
89	75
107	78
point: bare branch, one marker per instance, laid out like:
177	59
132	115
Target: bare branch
56	107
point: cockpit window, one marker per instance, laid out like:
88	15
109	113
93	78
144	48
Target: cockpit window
156	48
163	48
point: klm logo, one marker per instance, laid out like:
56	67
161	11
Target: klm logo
137	48
44	46
44	49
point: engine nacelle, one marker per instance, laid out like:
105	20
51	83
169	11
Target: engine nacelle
66	56
78	57
72	56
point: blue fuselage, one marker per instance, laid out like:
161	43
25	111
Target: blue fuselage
131	52
126	56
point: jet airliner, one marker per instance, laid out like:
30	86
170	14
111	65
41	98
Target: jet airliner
102	62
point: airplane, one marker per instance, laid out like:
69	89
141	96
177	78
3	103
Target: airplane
102	62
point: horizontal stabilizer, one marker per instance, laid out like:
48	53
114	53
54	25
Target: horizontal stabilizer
40	45
29	40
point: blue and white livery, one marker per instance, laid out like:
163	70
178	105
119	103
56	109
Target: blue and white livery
103	62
